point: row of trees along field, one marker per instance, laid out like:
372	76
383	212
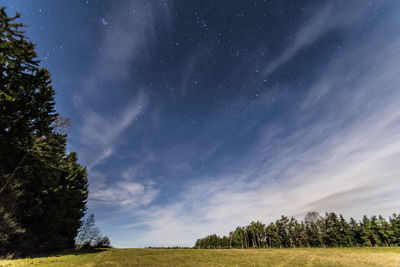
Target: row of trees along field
43	190
315	231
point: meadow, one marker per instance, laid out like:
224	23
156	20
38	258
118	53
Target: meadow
220	257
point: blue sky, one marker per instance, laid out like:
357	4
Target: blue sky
194	117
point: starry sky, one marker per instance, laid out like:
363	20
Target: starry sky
194	117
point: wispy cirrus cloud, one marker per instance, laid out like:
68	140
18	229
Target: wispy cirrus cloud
129	36
315	25
99	134
124	193
127	39
100	138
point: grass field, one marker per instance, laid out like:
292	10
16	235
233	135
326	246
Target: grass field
222	257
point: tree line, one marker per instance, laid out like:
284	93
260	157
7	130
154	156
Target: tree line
43	189
330	230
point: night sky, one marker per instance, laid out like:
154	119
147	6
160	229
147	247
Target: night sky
194	117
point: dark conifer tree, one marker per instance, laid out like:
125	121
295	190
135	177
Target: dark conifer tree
332	229
386	233
43	190
395	223
346	235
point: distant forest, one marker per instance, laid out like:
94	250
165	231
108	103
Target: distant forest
315	231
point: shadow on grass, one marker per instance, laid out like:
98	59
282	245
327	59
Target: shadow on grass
55	254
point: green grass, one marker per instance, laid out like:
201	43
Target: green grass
221	257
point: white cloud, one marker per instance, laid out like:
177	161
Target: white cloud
139	166
130	33
131	194
128	37
99	134
320	22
